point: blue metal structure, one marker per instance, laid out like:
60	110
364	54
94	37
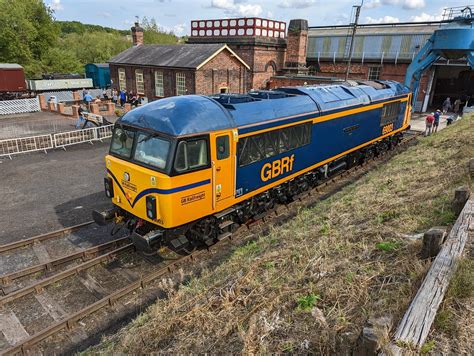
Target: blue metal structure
452	41
99	73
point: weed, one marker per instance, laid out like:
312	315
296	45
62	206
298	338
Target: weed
462	284
325	228
307	302
248	249
387	215
287	347
388	246
350	277
445	321
269	265
427	347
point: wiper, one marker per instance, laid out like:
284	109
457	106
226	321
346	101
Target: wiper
150	135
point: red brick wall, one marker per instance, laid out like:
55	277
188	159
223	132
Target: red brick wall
223	71
296	48
169	79
262	60
359	71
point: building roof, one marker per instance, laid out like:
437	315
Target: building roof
10	66
176	56
194	114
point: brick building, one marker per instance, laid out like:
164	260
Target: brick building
261	43
156	71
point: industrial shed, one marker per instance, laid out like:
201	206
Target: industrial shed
384	51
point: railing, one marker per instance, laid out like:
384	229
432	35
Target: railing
10	147
19	106
15	146
63	139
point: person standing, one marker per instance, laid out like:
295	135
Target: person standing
436	116
114	96
123	97
457	105
88	99
447	105
429	124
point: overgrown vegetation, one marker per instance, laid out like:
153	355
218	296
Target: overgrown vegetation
311	285
30	36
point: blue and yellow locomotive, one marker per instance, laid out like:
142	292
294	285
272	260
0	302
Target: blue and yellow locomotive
186	170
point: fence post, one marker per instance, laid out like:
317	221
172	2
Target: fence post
76	96
51	106
110	108
42	102
127	107
75	111
95	108
61	108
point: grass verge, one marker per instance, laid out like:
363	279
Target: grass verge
312	283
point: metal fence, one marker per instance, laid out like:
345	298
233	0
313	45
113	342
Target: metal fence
8	107
14	146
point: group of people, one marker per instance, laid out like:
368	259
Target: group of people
432	120
122	97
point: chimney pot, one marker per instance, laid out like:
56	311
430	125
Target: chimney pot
137	34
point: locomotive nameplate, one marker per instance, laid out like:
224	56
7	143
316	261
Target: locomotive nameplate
193	198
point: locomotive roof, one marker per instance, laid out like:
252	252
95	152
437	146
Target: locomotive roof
192	114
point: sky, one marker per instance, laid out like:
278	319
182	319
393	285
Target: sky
176	15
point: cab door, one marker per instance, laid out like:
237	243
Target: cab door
223	169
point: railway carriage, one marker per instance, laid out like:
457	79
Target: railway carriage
186	170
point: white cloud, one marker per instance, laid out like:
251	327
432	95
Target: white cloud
105	14
297	4
423	17
232	8
179	29
385	19
406	4
56	5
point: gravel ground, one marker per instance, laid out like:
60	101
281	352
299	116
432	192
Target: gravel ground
45	192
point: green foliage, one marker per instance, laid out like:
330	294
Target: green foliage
388	246
307	302
152	33
249	248
28	32
445	321
427	347
32	38
462	284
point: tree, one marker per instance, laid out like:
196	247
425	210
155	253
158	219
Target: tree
153	34
28	32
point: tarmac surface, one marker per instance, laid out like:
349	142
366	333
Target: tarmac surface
31	124
45	192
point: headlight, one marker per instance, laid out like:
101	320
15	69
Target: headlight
151	207
109	187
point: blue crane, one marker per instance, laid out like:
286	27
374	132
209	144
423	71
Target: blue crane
453	40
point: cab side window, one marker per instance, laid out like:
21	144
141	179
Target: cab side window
191	155
222	147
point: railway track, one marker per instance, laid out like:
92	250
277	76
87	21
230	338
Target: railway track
139	274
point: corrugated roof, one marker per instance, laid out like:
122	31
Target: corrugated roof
10	66
180	56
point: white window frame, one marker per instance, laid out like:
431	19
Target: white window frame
122	79
139	81
374	70
180	83
159	86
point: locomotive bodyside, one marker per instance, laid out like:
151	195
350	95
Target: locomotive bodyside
193	165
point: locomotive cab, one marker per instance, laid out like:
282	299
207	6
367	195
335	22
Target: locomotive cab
159	179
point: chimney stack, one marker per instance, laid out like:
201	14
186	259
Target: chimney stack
137	34
295	61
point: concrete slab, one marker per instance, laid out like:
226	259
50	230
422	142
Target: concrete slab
11	328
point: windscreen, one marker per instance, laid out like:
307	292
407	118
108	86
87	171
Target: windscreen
122	142
152	150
